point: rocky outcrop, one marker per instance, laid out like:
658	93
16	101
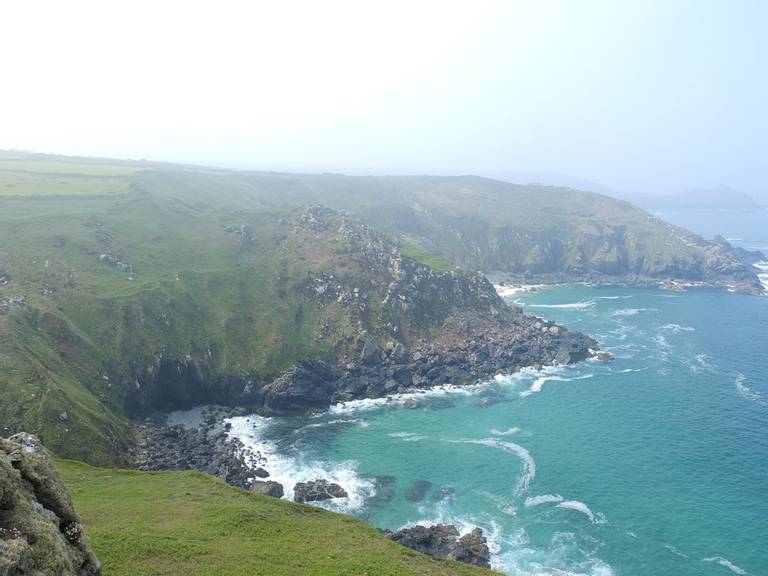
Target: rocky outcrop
203	446
267	488
306	386
40	531
444	541
316	490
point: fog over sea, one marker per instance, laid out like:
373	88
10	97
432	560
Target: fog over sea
654	464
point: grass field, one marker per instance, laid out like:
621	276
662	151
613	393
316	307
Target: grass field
27	177
189	524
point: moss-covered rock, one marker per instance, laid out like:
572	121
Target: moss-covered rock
40	531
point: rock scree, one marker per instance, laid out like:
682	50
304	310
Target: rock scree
40	531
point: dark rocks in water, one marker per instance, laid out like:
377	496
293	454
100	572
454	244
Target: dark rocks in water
418	490
267	488
410	403
260	472
384	488
319	489
443	541
40	531
472	548
443	493
604	356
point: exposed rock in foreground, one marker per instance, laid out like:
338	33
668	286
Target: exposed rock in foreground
316	490
267	488
444	541
40	531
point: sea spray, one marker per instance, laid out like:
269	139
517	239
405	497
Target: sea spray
288	469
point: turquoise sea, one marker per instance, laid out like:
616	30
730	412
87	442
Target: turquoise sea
655	464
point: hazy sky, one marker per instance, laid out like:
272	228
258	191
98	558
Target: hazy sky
656	96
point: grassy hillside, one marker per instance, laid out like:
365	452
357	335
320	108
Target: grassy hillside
121	282
190	524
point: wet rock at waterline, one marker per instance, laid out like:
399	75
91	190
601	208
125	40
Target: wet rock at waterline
444	541
316	490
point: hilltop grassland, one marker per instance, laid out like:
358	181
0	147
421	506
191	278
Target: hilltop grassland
190	524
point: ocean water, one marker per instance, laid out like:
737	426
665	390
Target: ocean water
746	228
655	464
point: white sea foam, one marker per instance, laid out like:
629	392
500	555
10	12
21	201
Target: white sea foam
675	551
543	499
365	404
598	518
529	464
626	297
288	470
701	362
538	384
583	305
676	328
564	557
747	393
393	400
356	421
661	342
727	564
507	432
407	436
505	291
632	311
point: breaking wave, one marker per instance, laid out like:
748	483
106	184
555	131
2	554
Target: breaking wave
632	311
543	499
538	384
288	470
583	305
676	328
598	518
529	464
747	393
726	563
407	436
507	432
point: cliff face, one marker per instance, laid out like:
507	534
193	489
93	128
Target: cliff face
285	312
40	531
189	286
389	324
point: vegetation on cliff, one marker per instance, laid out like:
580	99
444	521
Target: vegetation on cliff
129	287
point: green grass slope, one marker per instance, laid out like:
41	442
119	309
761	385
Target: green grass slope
190	524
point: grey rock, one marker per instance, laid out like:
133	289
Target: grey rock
443	541
40	531
267	488
316	490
